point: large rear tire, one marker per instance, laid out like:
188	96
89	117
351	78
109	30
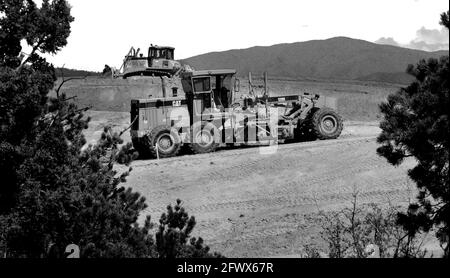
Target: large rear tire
204	138
326	124
166	139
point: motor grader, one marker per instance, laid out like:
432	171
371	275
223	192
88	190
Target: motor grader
210	115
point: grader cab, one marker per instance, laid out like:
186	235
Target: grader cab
211	115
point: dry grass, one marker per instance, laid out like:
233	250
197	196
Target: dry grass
356	101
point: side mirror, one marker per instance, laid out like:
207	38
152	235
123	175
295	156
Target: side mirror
237	85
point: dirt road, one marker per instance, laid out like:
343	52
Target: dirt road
251	204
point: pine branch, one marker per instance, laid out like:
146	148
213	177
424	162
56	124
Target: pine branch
33	51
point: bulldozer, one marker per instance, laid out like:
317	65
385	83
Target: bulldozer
160	61
210	115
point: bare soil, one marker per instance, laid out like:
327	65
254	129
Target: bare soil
251	204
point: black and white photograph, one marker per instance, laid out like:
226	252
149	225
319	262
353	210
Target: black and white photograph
241	133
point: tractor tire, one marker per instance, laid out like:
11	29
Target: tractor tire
168	140
204	138
326	124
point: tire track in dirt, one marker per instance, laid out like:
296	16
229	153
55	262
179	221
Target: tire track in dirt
217	233
298	200
244	169
230	153
384	194
216	236
278	227
241	197
259	166
263	166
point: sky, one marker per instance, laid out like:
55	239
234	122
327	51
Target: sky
104	30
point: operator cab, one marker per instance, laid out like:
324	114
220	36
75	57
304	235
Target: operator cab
159	62
161	52
212	90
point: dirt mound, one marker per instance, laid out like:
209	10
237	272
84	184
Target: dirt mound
106	94
355	100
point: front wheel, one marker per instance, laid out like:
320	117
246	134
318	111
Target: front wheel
163	141
326	124
204	138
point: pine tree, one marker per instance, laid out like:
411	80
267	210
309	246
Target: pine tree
54	192
175	228
416	124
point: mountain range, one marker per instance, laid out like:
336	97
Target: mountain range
338	58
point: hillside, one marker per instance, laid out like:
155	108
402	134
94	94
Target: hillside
335	58
60	72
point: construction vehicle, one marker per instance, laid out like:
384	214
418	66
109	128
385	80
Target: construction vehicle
209	115
159	62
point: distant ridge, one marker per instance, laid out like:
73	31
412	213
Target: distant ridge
335	58
60	72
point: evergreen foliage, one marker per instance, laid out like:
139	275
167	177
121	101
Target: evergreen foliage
416	124
55	192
